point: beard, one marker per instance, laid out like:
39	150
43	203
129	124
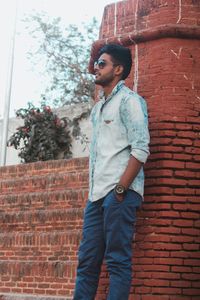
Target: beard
104	80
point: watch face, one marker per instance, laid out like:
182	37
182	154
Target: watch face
119	189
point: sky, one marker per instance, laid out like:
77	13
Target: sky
26	85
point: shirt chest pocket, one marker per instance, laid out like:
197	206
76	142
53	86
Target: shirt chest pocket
109	118
111	126
112	122
109	122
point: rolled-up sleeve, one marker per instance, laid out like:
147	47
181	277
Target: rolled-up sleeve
134	116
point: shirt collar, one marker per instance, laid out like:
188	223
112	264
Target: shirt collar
115	90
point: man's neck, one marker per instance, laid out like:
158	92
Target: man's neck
108	89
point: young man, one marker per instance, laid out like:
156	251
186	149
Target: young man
119	148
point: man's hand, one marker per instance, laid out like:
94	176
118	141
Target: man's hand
119	198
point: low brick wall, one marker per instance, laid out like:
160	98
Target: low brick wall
41	211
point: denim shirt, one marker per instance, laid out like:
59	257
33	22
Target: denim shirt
119	129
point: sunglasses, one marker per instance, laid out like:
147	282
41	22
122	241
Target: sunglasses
101	64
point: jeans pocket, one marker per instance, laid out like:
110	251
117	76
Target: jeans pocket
116	199
133	198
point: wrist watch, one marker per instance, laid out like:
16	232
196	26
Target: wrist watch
119	189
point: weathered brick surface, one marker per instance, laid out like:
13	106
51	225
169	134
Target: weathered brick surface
134	15
42	168
40	228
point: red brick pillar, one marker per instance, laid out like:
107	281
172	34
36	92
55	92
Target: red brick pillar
164	37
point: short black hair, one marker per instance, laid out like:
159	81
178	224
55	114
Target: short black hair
121	55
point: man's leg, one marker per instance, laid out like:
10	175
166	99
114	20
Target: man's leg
91	252
119	220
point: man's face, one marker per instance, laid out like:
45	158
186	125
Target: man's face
104	70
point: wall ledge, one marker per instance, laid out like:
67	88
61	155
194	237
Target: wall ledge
158	32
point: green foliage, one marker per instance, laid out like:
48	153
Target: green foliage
63	54
43	136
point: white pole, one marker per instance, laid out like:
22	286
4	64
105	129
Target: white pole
8	93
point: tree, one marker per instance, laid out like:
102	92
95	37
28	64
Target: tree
64	54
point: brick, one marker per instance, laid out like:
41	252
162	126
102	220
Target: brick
184	126
169	261
197	158
156	282
186	207
166	275
154	297
189	134
169	149
167	246
161	268
192	246
170	214
169	230
185	223
181	283
197	224
184	191
190	215
179	141
187	174
158	190
196	144
192	166
191	292
166	291
192	150
174	164
169	198
153	253
162	141
192	262
181	254
171	181
159	173
184	157
194	183
182	239
191	231
195	284
142	290
191	277
159	206
181	269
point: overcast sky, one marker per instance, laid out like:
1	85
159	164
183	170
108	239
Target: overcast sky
26	84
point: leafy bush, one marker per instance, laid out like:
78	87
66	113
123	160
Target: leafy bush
44	135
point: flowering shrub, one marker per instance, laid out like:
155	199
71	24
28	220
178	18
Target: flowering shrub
44	135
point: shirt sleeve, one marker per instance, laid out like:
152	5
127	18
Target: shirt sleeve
134	116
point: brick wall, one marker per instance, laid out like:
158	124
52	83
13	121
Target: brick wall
42	204
164	37
41	210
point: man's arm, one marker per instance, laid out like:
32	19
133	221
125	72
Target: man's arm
129	174
134	117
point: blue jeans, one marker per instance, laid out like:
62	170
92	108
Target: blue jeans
107	233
